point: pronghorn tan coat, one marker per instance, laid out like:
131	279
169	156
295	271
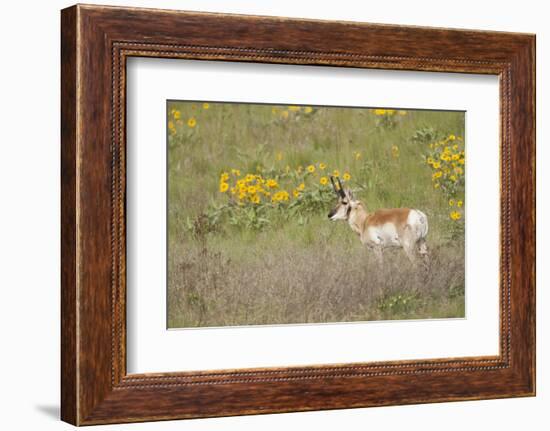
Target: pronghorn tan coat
396	227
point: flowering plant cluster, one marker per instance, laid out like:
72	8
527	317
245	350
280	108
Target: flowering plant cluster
291	112
388	118
255	200
446	159
276	187
176	122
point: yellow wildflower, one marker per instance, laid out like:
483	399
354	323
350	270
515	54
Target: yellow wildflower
192	122
293	108
279	156
379	111
346	176
459	204
255	199
323	181
311	169
236	172
322	166
284	114
336	173
455	215
224	187
296	193
177	115
402	112
224	176
453	178
390	111
205	105
271	183
357	155
308	109
452	137
280	196
251	189
301	187
451	202
395	151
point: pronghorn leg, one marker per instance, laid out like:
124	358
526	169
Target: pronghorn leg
423	252
409	246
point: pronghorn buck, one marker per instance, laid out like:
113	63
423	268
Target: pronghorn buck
396	227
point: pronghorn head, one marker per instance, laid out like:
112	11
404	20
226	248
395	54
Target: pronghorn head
346	202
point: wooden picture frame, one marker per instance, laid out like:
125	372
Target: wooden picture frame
95	43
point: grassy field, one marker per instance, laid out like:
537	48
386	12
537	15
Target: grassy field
249	240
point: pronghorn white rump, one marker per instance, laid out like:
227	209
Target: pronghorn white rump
395	227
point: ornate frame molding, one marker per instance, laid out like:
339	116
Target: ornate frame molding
96	41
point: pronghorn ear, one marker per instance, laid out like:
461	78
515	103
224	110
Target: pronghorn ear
349	193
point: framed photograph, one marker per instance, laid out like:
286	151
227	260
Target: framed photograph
264	214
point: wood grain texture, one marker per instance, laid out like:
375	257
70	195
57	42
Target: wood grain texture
96	41
69	397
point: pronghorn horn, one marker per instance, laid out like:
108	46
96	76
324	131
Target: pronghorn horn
338	191
342	193
334	185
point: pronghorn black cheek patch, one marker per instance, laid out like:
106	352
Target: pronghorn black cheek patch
348	211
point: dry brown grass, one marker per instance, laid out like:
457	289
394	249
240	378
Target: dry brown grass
327	284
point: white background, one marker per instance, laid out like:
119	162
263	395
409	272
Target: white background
151	348
29	216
